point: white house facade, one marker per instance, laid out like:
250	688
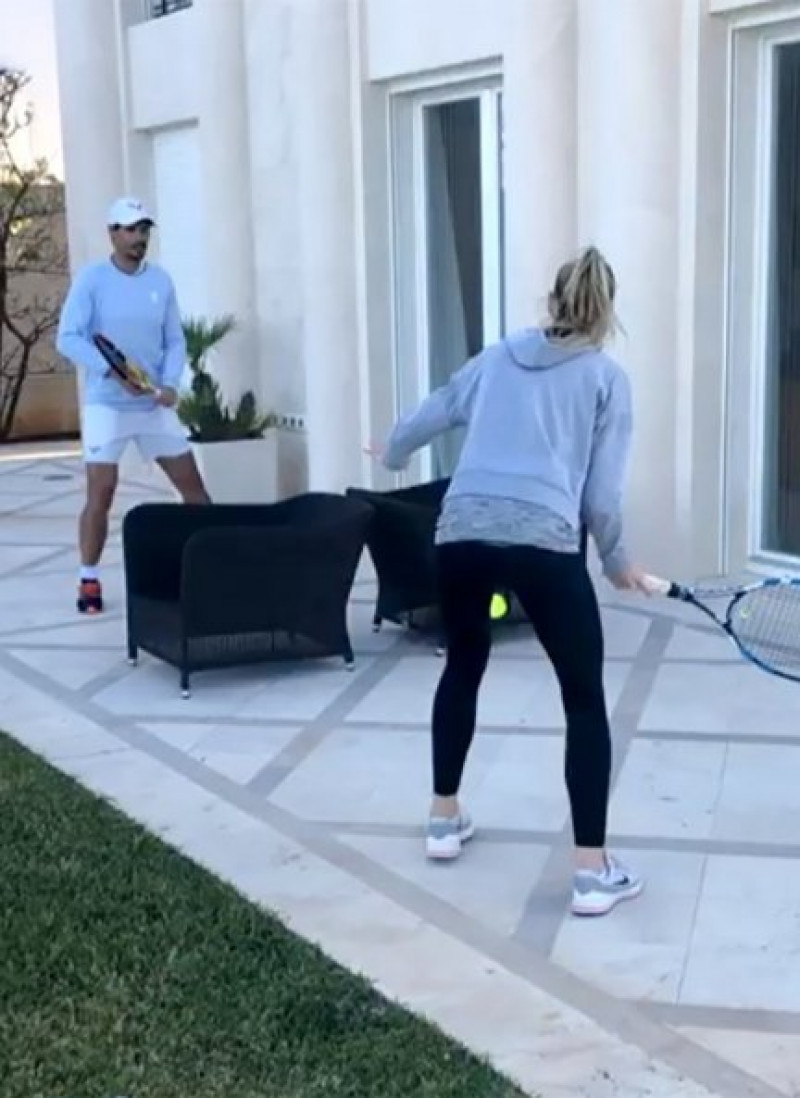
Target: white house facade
376	188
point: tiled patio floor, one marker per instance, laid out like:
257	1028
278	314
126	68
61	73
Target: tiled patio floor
305	786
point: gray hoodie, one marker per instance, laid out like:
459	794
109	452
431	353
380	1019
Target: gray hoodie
547	424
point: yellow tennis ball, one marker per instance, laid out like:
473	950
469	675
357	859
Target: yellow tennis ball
499	607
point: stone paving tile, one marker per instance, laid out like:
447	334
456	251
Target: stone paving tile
774	1057
515	692
723	700
670	788
745	949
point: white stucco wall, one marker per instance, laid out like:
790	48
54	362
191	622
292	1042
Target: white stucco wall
700	383
539	69
165	75
275	224
227	185
416	36
90	89
275	213
180	209
629	75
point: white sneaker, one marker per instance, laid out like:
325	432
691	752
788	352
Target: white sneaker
597	893
447	834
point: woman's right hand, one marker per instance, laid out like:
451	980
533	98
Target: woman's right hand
633	578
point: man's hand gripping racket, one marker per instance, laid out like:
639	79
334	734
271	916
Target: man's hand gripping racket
762	619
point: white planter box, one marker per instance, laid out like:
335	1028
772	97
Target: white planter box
244	471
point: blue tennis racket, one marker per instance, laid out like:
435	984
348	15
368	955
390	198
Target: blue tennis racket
762	619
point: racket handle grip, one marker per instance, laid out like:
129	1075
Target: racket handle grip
659	586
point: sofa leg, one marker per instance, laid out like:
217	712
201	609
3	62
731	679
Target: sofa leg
349	657
377	622
185	688
133	654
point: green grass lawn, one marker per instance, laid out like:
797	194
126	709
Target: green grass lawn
125	969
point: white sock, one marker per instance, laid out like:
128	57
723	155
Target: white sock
89	572
603	873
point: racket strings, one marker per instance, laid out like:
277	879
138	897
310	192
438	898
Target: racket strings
766	622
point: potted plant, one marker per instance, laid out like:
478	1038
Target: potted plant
234	444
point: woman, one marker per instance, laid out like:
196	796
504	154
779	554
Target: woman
548	418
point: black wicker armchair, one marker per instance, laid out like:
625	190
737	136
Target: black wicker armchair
401	543
216	585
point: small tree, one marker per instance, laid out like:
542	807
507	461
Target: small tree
33	260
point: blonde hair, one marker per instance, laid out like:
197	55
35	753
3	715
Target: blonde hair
581	303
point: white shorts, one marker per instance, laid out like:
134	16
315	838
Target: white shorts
107	432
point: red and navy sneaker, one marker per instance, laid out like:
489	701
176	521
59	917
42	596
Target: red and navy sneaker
90	597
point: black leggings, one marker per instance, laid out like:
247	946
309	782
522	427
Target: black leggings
558	596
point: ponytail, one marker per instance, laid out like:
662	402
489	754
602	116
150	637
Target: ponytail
582	300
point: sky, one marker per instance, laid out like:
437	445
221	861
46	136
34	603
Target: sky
27	41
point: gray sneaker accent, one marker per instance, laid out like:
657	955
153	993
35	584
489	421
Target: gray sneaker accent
441	828
598	893
445	836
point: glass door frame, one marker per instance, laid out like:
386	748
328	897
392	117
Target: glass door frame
410	279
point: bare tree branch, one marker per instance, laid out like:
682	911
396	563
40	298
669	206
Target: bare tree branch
33	258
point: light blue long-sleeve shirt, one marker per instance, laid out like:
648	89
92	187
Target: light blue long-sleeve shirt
139	313
548	425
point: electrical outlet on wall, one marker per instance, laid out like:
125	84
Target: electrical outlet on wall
291	421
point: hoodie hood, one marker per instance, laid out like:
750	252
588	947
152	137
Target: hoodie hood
533	351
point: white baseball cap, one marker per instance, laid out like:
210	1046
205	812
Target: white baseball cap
127	212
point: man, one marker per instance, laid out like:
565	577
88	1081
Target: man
133	304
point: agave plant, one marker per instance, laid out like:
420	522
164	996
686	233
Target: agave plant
203	410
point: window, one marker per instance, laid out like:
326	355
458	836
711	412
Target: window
167	7
762	359
448	242
780	503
